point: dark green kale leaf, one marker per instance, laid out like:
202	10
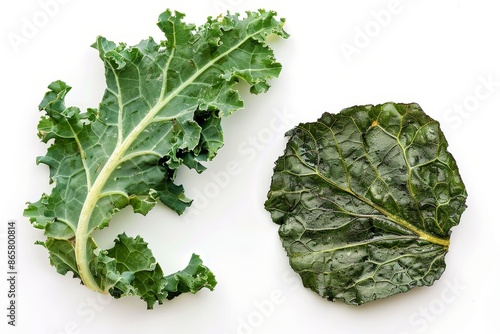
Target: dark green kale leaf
365	200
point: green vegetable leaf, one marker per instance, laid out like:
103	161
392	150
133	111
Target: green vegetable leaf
161	109
365	200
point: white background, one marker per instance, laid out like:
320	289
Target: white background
444	55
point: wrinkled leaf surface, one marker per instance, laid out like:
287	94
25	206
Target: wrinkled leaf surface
365	200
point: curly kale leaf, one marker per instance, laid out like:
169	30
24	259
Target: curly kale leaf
161	109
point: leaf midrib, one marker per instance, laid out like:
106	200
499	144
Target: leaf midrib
396	219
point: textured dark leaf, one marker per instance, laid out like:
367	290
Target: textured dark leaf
365	200
161	109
